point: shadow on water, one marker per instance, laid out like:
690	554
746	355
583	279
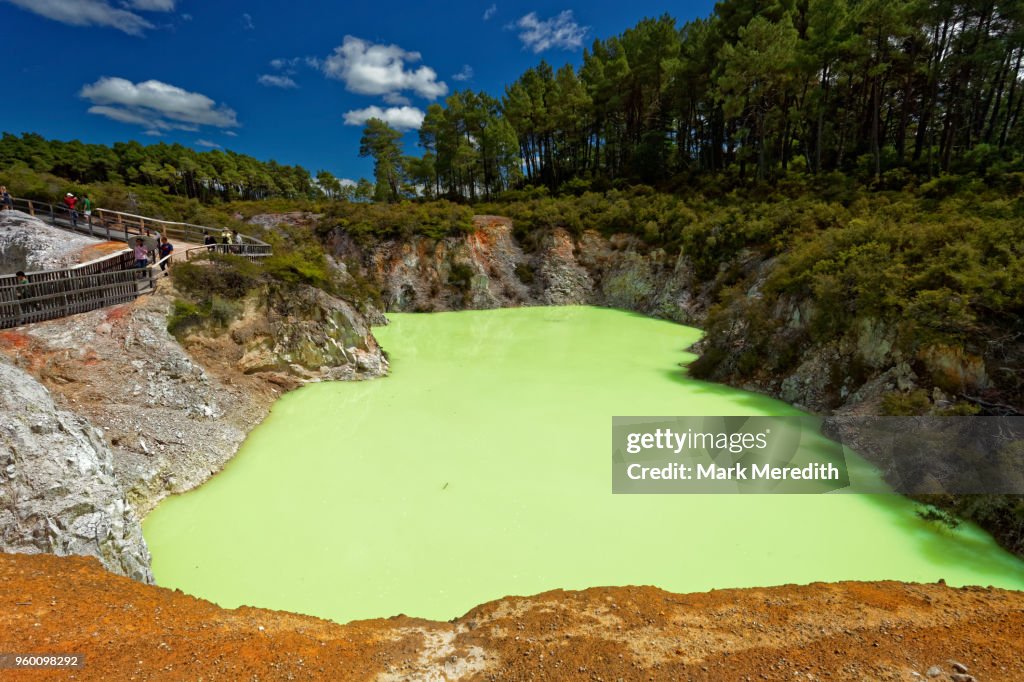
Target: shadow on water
972	551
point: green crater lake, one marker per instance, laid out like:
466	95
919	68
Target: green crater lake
482	468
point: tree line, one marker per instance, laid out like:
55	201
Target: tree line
208	176
758	89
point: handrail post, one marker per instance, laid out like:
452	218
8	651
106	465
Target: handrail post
31	209
91	233
53	218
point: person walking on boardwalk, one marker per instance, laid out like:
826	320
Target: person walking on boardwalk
72	203
23	292
21	280
6	200
237	240
87	208
141	254
166	249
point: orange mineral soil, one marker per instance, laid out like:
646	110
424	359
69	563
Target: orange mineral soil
842	631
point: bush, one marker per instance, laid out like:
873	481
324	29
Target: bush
369	222
184	315
230	277
299	267
913	404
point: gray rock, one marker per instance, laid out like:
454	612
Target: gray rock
958	667
961	677
27	243
70	504
934	671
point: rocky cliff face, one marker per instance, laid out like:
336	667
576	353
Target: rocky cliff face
58	492
169	416
293	335
490	269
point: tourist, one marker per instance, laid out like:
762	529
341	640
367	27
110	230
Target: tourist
21	280
5	198
141	254
225	239
72	202
87	208
210	241
238	241
166	249
22	293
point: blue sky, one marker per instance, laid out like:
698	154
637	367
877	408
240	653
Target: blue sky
276	80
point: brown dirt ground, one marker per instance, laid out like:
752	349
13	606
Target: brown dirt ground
842	631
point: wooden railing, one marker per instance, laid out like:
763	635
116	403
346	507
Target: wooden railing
50	294
251	252
116	225
110	280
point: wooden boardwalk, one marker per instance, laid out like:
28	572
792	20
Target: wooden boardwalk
106	281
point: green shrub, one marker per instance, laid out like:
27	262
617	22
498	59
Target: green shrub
912	404
230	277
184	315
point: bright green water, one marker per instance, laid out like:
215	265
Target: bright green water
481	468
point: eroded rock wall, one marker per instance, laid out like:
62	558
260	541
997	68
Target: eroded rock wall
58	490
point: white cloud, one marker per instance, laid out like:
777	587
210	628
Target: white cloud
272	81
186	17
560	31
347	182
247	22
286	65
490	12
208	143
231	133
401	118
155	105
136	118
152	5
370	69
465	74
96	12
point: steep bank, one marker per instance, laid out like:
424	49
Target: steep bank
491	268
839	631
58	492
163	415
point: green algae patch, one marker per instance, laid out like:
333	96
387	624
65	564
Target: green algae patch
480	468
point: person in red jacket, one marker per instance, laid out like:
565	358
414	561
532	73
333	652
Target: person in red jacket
71	202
